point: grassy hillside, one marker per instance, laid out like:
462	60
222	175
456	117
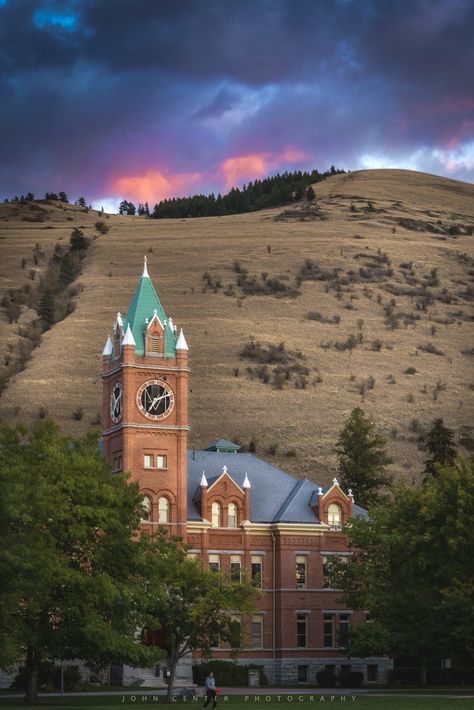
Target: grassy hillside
373	284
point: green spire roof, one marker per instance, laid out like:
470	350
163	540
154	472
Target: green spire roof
145	303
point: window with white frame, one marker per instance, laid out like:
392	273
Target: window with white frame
257	631
214	563
148	461
163	510
161	461
216	515
301	571
232	515
335	516
146	508
257	571
302	630
235	567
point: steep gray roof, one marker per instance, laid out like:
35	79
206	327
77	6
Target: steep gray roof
275	496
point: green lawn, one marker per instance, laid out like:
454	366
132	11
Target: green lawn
360	702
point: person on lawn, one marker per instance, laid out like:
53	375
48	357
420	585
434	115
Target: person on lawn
211	693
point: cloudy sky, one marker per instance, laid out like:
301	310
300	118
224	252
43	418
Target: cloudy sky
146	99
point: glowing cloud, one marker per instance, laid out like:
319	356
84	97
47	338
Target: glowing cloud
153	185
255	165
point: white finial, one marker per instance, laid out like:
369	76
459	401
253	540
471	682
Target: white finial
320	491
246	483
224	469
350	493
118	321
171	324
181	344
335	481
145	268
203	483
128	338
108	347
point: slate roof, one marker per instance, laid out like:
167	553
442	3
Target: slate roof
275	496
221	444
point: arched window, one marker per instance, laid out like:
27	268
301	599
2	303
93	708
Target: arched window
334	517
232	515
146	508
216	515
163	510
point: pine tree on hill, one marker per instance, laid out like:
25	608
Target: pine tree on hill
362	459
439	443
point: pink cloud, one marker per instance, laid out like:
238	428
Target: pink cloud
240	168
153	186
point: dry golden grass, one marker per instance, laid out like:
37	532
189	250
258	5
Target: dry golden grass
64	372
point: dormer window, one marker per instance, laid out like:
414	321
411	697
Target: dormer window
216	515
335	517
232	515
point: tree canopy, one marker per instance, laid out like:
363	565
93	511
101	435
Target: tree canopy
362	458
413	567
72	576
196	608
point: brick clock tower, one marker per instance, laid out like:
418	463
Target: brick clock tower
145	406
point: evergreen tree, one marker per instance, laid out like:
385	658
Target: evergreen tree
63	197
81	202
310	194
78	241
412	568
362	459
439	443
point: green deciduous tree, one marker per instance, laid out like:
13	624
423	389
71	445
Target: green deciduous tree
196	604
439	443
362	458
72	576
413	568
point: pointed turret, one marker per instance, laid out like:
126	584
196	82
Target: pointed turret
246	482
181	344
108	348
128	338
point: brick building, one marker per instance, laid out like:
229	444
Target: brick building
236	511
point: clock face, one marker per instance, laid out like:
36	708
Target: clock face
155	399
116	402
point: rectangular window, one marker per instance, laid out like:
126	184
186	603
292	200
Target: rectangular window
328	630
257	631
161	461
302	630
214	563
332	571
148	460
372	672
257	571
301	571
344	628
235	568
236	640
155	344
119	463
303	672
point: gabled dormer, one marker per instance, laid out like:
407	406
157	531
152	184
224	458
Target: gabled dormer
154	336
332	506
222	501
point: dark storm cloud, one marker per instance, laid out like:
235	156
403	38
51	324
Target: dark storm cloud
92	89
